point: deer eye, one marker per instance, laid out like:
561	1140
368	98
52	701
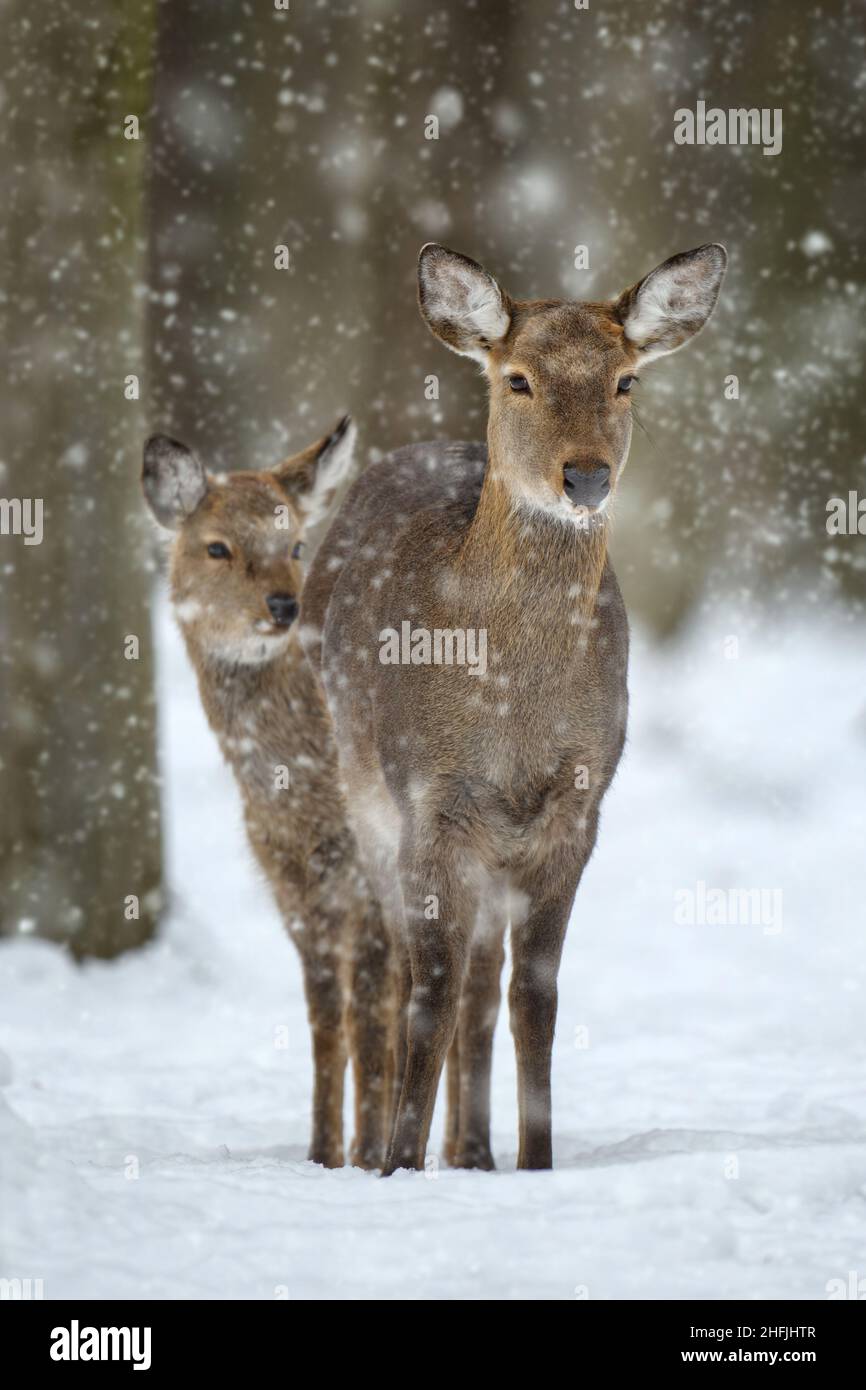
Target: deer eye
625	384
518	383
298	550
218	551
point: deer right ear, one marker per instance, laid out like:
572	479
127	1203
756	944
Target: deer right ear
312	477
673	302
173	480
460	302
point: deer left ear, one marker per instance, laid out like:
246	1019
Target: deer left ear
461	302
173	479
673	302
312	477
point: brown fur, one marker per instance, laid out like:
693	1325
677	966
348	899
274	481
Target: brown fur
267	711
468	791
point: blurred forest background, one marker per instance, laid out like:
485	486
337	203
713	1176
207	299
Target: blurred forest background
305	127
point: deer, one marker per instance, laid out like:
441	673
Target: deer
475	795
236	575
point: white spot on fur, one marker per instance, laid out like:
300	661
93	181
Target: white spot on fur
187	610
251	651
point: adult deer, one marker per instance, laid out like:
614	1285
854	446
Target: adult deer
475	793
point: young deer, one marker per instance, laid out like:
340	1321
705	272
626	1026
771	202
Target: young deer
475	793
235	585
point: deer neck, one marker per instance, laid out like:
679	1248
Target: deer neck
235	694
265	717
526	561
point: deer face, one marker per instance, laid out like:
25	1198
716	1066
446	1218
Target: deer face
561	374
236	571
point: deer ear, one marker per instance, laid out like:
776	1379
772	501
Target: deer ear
673	302
173	480
312	478
460	302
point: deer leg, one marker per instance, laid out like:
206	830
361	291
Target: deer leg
398	987
324	992
479	1008
536	951
369	1026
390	1103
403	995
452	1103
437	951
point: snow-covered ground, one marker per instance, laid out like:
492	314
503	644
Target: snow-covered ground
710	1108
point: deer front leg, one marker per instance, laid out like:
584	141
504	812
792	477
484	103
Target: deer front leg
536	944
324	993
402	998
452	1103
439	912
479	1008
370	1019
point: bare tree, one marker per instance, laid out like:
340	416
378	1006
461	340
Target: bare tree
80	844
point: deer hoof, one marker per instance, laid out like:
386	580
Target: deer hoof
368	1157
474	1156
327	1155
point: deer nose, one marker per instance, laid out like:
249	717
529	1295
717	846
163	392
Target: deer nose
586	485
283	608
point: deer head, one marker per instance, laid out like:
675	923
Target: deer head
238	538
560	373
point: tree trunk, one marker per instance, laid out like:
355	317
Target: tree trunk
80	842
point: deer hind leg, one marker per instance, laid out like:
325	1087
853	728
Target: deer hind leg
438	947
479	1009
536	944
370	1025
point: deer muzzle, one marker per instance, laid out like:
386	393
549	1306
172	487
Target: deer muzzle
283	608
586	485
